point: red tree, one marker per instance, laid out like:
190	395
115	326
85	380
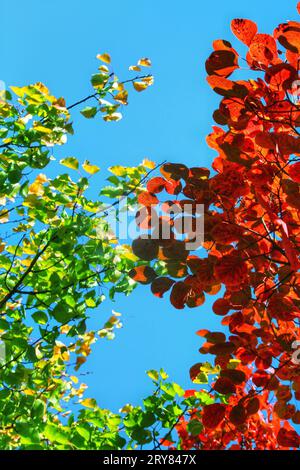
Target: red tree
252	242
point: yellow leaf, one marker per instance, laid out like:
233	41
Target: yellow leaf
36	189
41	178
140	86
126	408
91	169
233	363
65	329
28	391
70	162
112	117
74	379
19	91
136	68
26	262
118	170
144	62
89	403
121	97
163	374
148	164
153	374
118	86
104	57
103	68
43	129
149	80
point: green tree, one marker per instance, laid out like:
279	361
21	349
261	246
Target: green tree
57	251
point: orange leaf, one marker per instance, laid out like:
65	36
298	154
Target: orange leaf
244	30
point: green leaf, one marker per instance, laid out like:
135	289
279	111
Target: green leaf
89	112
40	317
27	433
195	427
153	374
56	434
99	79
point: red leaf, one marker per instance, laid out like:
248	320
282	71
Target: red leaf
147	199
238	415
174	171
222	63
145	248
236	376
221	307
195	371
261	378
244	30
287	438
143	274
231	270
263	49
156	185
222	349
161	285
288	34
179	295
224	386
294	172
213	415
252	406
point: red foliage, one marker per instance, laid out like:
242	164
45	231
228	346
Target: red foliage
252	241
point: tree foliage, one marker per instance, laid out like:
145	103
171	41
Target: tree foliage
57	253
58	250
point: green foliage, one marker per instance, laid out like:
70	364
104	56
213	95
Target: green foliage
57	252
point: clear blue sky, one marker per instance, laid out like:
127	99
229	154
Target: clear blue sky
55	42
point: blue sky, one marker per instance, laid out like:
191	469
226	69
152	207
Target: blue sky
56	42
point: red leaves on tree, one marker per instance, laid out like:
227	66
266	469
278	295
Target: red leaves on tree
251	244
174	171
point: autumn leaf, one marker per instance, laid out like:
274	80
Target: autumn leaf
91	169
70	162
105	57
